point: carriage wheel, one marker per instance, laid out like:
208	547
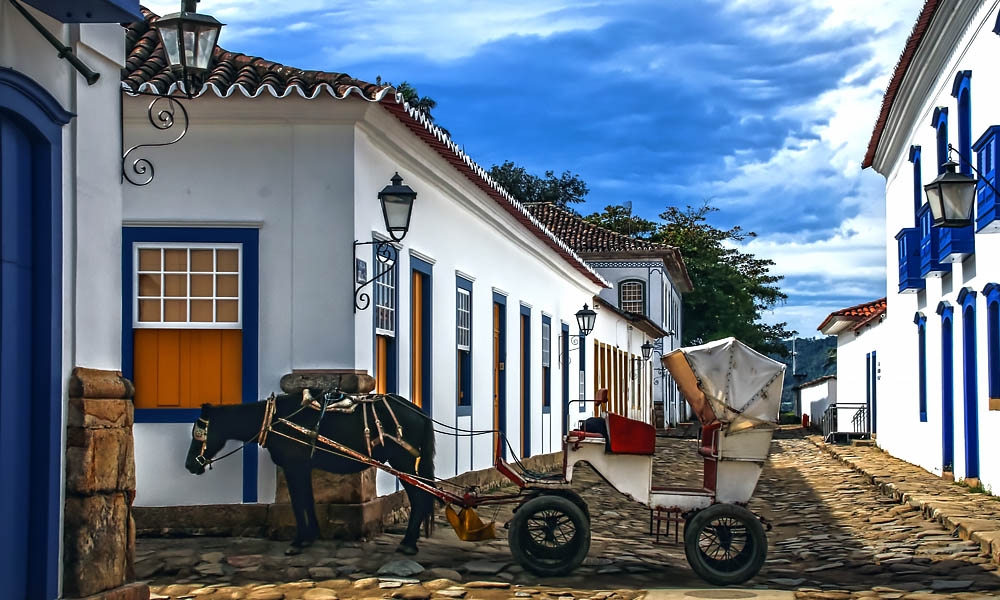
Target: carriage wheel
725	544
549	535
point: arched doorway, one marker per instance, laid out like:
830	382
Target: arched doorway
31	123
967	298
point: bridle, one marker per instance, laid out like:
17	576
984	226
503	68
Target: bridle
200	434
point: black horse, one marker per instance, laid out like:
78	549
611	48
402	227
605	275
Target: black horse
297	457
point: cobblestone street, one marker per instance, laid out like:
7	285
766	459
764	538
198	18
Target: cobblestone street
835	535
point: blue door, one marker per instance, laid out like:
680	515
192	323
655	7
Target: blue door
15	366
947	392
971	404
30	336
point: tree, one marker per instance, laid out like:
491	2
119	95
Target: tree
411	96
526	187
731	288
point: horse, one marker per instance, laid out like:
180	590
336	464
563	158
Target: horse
388	428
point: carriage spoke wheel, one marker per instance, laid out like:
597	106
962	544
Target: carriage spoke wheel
549	535
725	544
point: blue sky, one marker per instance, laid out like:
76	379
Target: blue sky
763	108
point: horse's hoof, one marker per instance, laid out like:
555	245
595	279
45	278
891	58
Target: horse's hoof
407	550
293	550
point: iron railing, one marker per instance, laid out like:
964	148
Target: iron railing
848	420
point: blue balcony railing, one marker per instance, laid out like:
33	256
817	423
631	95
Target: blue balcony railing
930	245
957	243
908	242
987	203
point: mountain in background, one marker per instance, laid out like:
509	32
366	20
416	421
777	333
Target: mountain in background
810	363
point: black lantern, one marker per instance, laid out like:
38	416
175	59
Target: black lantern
647	350
585	320
397	206
951	197
189	40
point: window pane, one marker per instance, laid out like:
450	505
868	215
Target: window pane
228	261
149	310
175	259
227	311
201	311
201	286
227	286
175	285
201	261
175	311
149	259
149	285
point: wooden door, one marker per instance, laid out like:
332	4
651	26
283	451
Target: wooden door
417	339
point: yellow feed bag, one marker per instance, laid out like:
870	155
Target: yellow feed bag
468	526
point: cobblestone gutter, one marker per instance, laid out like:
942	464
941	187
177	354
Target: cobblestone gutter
972	516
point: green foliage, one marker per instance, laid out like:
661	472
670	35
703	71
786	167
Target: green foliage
565	189
424	104
731	288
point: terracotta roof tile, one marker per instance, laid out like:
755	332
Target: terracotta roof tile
902	66
856	316
146	66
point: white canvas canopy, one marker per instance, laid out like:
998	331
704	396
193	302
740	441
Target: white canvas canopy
742	386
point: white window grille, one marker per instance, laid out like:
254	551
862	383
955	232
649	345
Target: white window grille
631	297
187	286
546	344
385	302
464	319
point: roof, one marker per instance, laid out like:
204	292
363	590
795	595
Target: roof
815	382
902	66
146	71
594	242
854	317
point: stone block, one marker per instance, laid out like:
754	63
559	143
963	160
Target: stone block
330	488
132	591
226	520
98	383
99	460
95	544
989	542
99	413
336	521
967	526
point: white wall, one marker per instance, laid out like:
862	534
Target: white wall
307	173
968	43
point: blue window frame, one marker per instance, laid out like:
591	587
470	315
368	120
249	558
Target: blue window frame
987	204
961	90
385	349
947	386
525	381
918	186
921	323
564	365
967	298
425	271
940	124
908	246
992	294
930	245
463	344
546	363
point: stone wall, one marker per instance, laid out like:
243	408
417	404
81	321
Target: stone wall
99	532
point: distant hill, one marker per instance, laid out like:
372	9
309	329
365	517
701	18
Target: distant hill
810	363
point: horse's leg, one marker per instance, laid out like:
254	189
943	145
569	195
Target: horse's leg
299	479
421	504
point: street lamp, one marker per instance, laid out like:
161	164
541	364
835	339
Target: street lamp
647	350
397	208
189	40
585	318
952	195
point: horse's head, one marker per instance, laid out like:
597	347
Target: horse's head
205	443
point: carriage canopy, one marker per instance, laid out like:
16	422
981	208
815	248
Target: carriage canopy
729	381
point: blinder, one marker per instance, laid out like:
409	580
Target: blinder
200	434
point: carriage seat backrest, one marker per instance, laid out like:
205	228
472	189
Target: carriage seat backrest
628	436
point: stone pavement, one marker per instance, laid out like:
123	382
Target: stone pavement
834	536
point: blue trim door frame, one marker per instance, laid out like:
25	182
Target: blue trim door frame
31	401
250	239
424	269
500	369
525	381
564	365
947	386
967	299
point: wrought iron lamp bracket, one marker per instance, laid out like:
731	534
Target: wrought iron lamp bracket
385	255
574	340
162	117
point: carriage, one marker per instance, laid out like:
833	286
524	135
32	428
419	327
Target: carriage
734	391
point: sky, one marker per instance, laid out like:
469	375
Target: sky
761	108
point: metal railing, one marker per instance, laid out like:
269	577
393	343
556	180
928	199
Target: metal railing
849	419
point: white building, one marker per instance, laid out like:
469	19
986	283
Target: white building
648	280
938	350
60	210
475	321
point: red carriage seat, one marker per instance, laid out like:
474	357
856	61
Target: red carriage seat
628	436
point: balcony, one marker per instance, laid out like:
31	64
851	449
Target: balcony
930	247
987	203
908	242
957	243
